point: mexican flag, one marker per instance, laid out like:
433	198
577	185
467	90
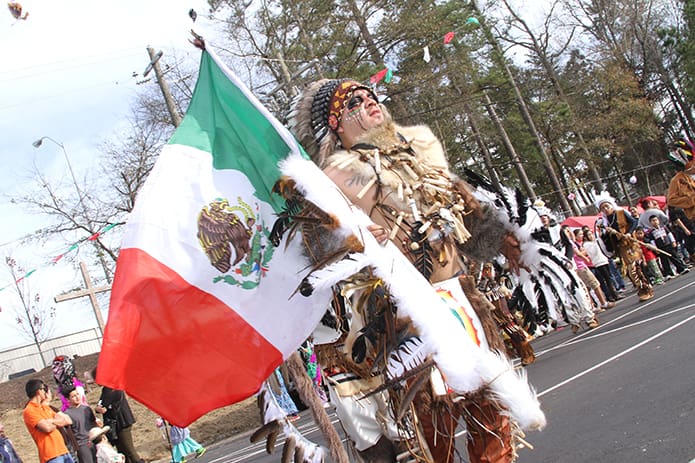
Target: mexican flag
202	307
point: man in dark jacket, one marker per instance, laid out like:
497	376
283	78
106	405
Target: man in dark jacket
113	405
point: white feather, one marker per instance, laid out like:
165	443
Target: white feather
465	365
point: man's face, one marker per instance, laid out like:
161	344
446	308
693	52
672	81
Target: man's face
639	234
652	204
43	392
654	221
606	208
361	113
75	398
545	220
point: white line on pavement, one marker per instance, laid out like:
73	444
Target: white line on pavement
616	356
615	330
608	323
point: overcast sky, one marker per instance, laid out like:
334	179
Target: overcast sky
67	73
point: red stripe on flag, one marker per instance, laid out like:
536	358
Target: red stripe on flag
179	362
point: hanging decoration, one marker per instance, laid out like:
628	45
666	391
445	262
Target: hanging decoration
426	54
74	246
448	37
389	76
378	76
571	196
473	21
633	180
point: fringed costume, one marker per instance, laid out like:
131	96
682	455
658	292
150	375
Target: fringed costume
408	362
617	230
512	333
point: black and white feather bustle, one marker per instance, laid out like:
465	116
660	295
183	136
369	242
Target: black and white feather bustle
547	283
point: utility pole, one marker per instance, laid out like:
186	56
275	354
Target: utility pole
168	99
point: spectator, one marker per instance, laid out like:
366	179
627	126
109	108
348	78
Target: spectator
651	207
652	266
313	369
105	451
83	420
600	268
7	452
684	230
43	423
663	239
113	405
583	264
277	387
182	444
64	375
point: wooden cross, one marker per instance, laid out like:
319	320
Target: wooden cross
91	291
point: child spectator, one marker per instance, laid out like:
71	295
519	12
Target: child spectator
652	269
663	239
7	452
105	451
182	444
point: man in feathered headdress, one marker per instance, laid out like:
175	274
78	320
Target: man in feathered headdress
681	190
617	228
400	177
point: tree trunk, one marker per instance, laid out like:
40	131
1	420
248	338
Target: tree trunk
518	165
498	55
487	157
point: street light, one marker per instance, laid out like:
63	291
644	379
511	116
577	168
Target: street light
95	306
39	142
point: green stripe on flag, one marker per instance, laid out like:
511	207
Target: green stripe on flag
221	120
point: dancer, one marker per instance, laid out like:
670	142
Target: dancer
399	176
616	228
511	331
681	189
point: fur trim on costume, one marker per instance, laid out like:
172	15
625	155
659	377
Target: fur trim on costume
275	420
416	299
487	233
605	197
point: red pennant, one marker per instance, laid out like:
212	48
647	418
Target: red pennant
448	37
378	76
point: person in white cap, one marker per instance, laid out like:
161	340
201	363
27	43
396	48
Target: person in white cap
617	228
105	451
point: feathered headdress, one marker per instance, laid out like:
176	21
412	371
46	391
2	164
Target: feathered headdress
315	115
682	152
604	197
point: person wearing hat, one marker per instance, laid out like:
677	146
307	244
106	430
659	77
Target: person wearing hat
400	177
617	227
512	332
105	453
681	189
43	423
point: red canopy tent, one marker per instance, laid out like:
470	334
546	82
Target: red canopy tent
580	221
